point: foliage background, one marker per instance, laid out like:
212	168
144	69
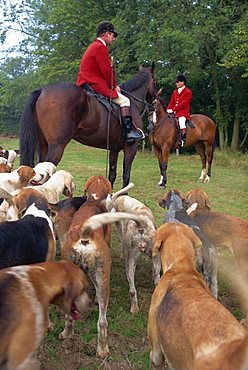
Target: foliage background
207	40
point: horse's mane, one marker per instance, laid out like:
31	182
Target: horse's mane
137	81
162	102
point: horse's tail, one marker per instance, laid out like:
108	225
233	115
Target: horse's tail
214	145
28	134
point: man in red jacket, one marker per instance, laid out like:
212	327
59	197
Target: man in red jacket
97	71
180	106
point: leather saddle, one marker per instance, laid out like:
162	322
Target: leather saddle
189	123
114	108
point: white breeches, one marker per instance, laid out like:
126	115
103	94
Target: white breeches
182	122
122	100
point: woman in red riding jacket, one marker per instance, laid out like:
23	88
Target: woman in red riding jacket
180	106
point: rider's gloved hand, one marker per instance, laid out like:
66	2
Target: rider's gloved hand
169	111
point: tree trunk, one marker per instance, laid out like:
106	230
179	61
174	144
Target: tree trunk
236	128
244	140
222	138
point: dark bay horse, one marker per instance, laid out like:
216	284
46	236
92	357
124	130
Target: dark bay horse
59	112
164	137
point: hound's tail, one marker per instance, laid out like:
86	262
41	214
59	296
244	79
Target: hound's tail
111	199
97	221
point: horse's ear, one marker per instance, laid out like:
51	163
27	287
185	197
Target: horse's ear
140	67
152	67
160	91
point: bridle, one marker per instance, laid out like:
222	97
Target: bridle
152	118
152	114
144	102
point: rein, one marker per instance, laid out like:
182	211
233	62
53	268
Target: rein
108	128
160	124
153	130
147	105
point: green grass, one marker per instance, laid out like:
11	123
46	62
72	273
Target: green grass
128	342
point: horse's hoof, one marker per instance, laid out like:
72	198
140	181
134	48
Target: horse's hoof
160	186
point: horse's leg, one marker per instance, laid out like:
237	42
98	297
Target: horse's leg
209	151
113	157
162	156
52	151
42	145
158	154
129	154
200	148
56	150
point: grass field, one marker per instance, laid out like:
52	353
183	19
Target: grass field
128	342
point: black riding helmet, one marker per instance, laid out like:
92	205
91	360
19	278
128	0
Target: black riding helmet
105	26
181	78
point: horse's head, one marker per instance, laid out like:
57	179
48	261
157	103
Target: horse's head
156	110
151	87
141	88
160	106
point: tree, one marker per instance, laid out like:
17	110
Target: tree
16	81
194	37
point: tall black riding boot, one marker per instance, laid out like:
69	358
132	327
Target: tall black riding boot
182	140
126	118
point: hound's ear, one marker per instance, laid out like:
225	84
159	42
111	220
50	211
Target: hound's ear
162	202
88	183
207	201
157	244
75	285
7	196
51	170
108	186
185	201
69	184
155	249
25	174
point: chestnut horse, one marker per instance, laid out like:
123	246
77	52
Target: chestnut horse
59	112
165	136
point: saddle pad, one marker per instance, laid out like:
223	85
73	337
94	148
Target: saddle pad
102	99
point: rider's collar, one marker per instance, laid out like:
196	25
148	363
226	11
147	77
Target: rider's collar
99	38
180	89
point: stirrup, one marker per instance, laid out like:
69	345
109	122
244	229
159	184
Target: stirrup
132	135
142	132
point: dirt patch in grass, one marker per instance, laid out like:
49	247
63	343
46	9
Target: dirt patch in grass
75	354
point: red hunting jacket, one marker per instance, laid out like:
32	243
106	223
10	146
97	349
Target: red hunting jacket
95	70
180	103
